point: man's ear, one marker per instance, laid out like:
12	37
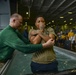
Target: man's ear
14	20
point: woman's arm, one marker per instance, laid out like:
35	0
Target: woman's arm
34	37
44	37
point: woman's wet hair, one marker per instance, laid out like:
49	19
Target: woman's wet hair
38	17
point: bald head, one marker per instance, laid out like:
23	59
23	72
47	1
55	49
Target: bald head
15	16
15	20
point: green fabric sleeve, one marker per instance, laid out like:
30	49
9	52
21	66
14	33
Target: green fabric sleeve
13	41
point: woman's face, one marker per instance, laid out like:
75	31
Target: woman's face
40	23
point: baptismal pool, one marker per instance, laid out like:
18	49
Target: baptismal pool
65	60
20	64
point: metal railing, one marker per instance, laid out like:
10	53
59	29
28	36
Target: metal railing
4	68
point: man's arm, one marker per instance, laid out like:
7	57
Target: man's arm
16	43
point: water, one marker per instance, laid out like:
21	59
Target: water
64	62
20	65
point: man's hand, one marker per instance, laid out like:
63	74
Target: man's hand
49	43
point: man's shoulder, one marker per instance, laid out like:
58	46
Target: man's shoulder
7	31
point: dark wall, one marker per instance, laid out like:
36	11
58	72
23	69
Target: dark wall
13	6
4	13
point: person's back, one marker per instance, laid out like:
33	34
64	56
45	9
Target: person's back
62	36
5	51
70	33
67	43
25	33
